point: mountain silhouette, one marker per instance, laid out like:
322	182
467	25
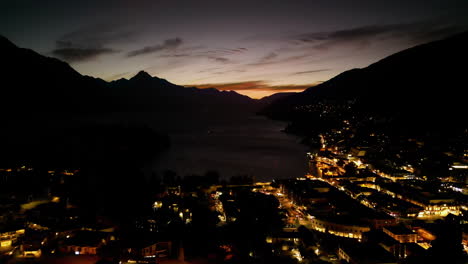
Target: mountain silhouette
144	92
418	87
51	114
264	101
33	83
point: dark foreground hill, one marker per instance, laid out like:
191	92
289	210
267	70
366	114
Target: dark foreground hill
420	86
51	112
408	108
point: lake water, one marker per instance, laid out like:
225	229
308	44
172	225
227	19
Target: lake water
232	145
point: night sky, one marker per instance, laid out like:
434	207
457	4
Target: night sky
254	47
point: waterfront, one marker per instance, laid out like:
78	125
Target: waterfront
245	145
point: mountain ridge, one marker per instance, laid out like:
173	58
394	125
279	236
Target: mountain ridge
413	79
36	83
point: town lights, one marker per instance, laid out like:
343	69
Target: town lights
157	205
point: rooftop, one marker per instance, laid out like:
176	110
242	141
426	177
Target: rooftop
399	230
367	253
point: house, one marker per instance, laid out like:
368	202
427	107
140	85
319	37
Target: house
157	250
9	237
31	250
84	243
401	234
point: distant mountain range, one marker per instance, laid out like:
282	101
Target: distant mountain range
32	83
418	87
52	114
424	84
267	100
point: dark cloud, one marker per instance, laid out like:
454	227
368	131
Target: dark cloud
176	55
224	51
221	59
274	60
99	35
437	32
89	43
188	51
168	44
361	37
254	85
228	71
350	34
291	87
189	56
266	60
233	51
269	57
236	86
308	72
75	54
217	55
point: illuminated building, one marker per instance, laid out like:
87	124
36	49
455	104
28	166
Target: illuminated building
401	234
425	234
159	249
31	251
339	227
359	151
437	210
465	241
458	172
84	243
7	239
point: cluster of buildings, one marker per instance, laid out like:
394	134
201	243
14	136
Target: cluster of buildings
346	209
340	218
42	224
346	197
399	193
